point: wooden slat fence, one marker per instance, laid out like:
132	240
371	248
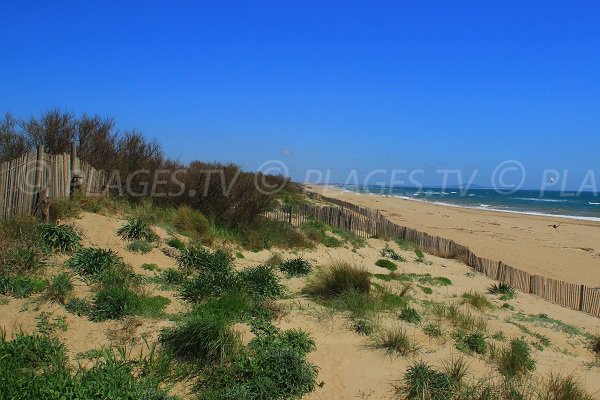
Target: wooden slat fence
22	178
368	223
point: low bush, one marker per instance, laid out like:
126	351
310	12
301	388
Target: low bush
295	267
140	246
273	366
260	281
61	238
37	367
516	359
204	337
474	342
560	387
317	232
410	315
595	344
150	267
387	264
194	258
137	229
213	280
172	277
338	277
420	256
60	288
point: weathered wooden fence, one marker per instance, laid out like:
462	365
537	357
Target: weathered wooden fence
22	180
366	223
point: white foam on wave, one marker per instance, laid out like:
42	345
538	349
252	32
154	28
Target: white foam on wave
543	200
593	204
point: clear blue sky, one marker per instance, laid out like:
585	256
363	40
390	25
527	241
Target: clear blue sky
322	84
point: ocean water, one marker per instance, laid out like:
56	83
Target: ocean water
585	205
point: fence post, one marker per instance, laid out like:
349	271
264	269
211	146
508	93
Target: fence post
38	167
41	195
76	179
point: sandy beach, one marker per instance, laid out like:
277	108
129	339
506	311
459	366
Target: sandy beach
570	253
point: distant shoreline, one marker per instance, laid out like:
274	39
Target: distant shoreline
526	241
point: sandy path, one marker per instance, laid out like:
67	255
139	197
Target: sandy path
570	253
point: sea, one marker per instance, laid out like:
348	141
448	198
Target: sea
582	206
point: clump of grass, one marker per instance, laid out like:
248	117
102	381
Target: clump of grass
192	223
79	307
172	277
137	229
474	342
93	261
260	281
433	330
20	286
420	256
150	267
464	319
506	291
595	344
176	243
61	238
336	278
515	360
195	258
60	288
421	381
477	300
317	232
48	325
394	340
405	244
117	302
387	264
560	387
425	289
364	326
296	267
274	260
388	252
410	315
139	246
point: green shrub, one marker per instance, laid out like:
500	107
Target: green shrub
139	246
213	279
47	325
194	258
61	238
317	232
274	366
21	286
176	243
260	281
421	381
394	340
595	344
20	260
516	360
560	387
79	307
93	261
113	303
60	288
295	267
420	255
37	367
338	277
387	264
137	229
172	276
507	291
406	244
410	315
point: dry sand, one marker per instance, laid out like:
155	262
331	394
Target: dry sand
570	253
